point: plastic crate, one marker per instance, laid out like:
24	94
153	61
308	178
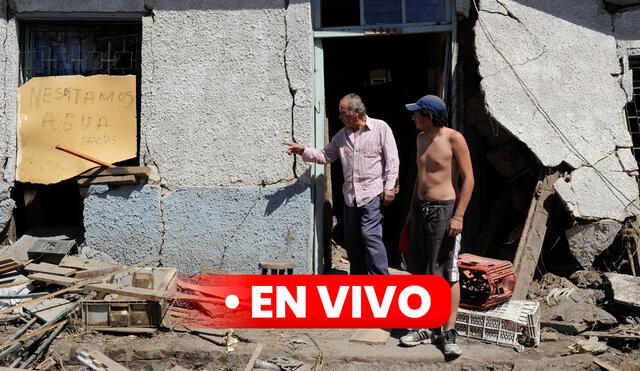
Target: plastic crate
484	282
514	323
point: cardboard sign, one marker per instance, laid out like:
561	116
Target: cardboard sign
95	116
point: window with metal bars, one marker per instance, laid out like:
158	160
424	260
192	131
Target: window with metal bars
633	107
73	48
337	13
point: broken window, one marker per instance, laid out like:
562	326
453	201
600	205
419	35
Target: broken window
633	110
53	49
340	13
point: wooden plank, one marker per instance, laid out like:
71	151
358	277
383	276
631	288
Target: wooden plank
26	337
608	335
53	279
13	279
126	330
143	171
136	292
49	309
254	357
370	336
95	272
604	364
49	269
108	179
71	261
535	228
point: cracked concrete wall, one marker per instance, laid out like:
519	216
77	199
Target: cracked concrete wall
219	80
565	104
223	84
234	228
9	67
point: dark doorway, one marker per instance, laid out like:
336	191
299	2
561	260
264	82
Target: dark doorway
387	72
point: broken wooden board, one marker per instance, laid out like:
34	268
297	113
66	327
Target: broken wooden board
13	279
535	228
108	179
98	361
254	357
49	309
142	171
54	279
136	292
8	265
77	262
370	336
49	269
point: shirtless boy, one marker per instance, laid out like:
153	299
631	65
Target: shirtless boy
437	210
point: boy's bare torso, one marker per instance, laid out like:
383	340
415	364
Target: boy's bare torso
437	167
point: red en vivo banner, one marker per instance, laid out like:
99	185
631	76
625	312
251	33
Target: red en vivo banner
307	301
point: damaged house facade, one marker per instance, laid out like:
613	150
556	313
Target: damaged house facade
544	91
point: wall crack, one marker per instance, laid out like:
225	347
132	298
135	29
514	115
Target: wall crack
292	90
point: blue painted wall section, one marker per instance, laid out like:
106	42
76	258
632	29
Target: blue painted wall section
124	222
234	228
197	227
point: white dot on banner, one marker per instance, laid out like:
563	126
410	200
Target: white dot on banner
232	302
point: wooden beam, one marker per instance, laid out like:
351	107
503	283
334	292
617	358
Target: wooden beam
254	357
142	171
49	268
136	292
535	228
53	279
108	179
71	261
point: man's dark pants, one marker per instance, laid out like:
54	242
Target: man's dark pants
363	238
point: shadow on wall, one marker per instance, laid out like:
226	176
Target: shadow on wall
283	195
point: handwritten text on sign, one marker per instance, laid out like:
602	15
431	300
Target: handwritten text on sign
93	115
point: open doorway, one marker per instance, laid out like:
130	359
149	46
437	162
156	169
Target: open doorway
387	72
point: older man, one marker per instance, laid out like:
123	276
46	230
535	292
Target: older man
367	150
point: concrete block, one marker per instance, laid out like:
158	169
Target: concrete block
551	47
97	6
235	228
124	222
590	240
626	289
587	196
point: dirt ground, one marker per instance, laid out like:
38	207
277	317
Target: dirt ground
326	349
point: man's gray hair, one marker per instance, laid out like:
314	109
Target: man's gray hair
355	103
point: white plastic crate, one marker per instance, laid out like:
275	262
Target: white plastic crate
514	323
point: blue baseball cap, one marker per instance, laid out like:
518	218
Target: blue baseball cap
431	103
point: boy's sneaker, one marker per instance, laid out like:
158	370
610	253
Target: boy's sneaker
451	347
417	336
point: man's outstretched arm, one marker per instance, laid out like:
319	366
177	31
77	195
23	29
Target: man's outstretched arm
328	153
